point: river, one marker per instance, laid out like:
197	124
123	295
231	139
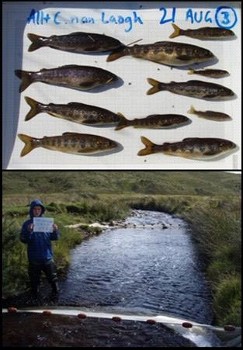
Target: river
149	266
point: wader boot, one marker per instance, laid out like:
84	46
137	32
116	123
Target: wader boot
55	288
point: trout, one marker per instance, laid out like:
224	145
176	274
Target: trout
78	42
70	76
191	148
204	33
154	121
192	88
165	52
211	73
211	115
71	142
74	112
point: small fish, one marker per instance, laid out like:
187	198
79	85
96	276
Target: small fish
192	88
204	33
78	42
165	52
211	115
74	112
211	73
71	142
154	121
191	148
70	76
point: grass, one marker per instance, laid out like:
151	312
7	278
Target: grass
214	220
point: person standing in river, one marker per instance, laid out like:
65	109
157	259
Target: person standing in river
39	250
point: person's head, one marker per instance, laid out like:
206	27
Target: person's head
36	208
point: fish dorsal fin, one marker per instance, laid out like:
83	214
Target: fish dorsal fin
191	139
70	133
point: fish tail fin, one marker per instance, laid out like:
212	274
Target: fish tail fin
26	79
117	54
191	71
35	108
28	147
148	147
37	41
123	123
177	31
191	110
155	86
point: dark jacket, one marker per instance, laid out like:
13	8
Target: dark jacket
39	243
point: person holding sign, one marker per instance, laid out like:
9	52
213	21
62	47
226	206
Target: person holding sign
37	233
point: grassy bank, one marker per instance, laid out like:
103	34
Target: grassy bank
214	224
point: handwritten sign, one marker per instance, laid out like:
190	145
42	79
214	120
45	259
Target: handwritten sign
222	16
43	224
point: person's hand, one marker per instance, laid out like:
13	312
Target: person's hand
30	228
55	227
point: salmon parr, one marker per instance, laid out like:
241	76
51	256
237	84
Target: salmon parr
211	115
70	142
191	148
192	88
78	42
154	121
211	73
204	33
74	112
165	52
70	76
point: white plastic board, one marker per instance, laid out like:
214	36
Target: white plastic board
127	22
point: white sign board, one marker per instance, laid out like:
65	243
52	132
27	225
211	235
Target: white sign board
43	224
128	22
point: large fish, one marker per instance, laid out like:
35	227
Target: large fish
191	148
165	52
203	33
74	112
192	88
210	115
154	121
70	142
70	76
78	42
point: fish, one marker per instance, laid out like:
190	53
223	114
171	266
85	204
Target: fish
71	142
192	88
203	33
154	121
73	111
211	73
211	115
191	148
165	52
70	76
77	42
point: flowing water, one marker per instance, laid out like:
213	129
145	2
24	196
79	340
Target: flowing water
147	266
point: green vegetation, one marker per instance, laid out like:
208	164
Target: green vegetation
209	201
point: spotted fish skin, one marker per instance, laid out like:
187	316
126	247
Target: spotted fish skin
193	88
165	52
75	112
154	121
191	148
211	73
70	76
210	115
203	33
77	42
70	142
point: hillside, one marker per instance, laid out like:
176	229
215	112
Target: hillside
147	182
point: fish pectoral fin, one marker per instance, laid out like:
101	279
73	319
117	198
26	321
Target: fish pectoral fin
209	153
184	57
